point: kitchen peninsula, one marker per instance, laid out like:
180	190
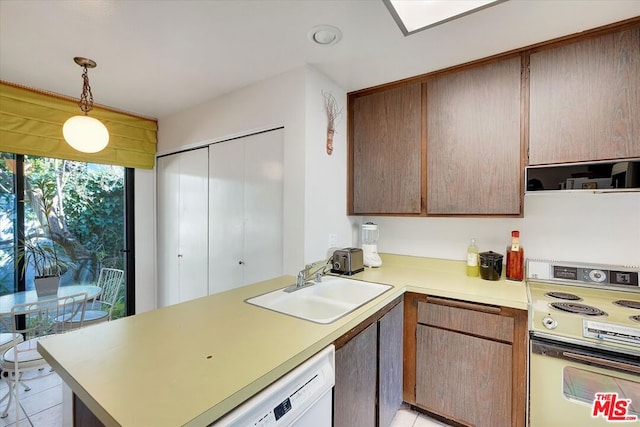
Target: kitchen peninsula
190	363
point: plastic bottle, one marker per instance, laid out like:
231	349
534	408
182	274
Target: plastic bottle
472	259
515	258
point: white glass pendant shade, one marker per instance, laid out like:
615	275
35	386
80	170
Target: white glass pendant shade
85	134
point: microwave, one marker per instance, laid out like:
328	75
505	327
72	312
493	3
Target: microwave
625	175
600	175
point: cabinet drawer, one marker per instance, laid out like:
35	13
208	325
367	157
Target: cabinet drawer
467	320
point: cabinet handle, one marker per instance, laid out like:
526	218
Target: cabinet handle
241	262
465	305
179	255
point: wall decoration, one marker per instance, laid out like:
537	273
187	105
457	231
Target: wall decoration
333	113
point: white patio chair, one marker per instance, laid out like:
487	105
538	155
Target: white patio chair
6	341
35	321
100	309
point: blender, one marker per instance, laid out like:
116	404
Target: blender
370	245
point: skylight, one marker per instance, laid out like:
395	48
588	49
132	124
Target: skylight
416	15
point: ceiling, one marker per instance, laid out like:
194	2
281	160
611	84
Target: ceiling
156	58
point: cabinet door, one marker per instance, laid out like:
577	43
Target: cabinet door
474	160
585	100
354	393
386	152
390	364
182	226
464	377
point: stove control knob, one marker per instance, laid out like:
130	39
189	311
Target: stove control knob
597	276
549	323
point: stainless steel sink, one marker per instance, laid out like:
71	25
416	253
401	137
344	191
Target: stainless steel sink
324	302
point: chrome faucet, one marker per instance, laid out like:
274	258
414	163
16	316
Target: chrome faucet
307	273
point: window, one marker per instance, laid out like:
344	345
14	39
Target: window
87	224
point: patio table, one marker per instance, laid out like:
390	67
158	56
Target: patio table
7	302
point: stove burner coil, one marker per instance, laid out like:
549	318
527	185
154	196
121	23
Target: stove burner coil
635	318
628	304
572	307
564	295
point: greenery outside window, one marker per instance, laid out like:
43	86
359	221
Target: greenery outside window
87	223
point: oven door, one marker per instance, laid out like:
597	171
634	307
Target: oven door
566	379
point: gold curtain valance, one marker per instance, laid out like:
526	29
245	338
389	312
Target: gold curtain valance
31	123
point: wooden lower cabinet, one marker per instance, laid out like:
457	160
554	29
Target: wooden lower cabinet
390	364
466	377
465	362
82	416
354	393
368	387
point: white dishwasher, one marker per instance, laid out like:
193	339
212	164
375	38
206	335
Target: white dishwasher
301	398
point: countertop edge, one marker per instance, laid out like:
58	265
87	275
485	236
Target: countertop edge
77	389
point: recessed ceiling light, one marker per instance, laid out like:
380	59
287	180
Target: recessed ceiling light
417	15
325	35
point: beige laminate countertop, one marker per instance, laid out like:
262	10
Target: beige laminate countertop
190	363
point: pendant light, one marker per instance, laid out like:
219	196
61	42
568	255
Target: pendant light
85	133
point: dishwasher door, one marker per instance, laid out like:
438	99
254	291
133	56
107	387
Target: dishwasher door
303	397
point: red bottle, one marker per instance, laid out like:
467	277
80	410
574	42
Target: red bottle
515	258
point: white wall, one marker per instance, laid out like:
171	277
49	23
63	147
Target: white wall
314	182
271	103
569	226
325	175
145	239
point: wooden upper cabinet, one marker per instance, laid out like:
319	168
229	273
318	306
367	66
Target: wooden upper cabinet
386	151
585	100
474	159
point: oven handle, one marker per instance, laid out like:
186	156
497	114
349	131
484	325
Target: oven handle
579	354
604	362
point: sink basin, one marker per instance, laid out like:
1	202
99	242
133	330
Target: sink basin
324	302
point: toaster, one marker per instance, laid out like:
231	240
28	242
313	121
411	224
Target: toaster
347	261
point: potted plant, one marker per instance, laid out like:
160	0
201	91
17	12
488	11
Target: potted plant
40	251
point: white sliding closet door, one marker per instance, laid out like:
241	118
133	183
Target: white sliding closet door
183	186
226	215
245	210
263	206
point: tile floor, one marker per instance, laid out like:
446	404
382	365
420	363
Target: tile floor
42	406
405	417
39	407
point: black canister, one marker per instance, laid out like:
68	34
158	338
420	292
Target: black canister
490	265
